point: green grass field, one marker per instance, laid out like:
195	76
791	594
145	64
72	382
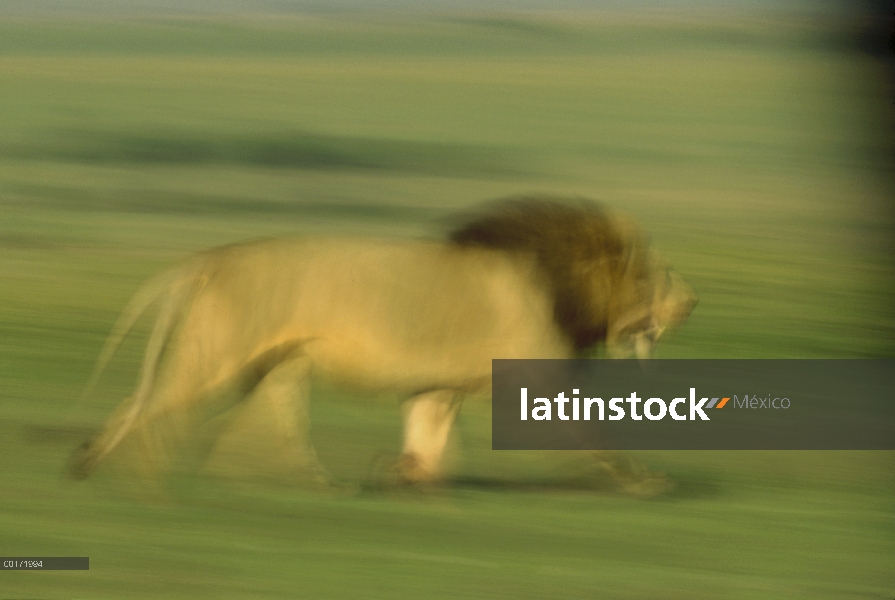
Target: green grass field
753	151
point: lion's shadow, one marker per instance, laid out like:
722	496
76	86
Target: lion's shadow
690	486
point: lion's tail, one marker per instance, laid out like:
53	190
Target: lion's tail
146	296
172	287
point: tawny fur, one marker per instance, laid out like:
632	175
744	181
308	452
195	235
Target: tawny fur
524	278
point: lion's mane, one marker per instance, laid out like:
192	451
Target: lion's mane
591	259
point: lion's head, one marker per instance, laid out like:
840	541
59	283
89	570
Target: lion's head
608	286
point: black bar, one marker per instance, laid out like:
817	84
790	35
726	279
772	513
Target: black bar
772	404
45	563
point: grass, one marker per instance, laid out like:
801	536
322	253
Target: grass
752	151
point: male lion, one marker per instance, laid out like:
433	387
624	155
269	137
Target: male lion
526	278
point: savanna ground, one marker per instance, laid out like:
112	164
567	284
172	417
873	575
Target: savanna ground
753	151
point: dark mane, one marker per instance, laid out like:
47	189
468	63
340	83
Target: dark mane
581	249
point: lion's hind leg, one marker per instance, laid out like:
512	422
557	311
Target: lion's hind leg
146	436
268	435
428	419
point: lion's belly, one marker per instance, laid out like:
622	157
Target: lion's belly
384	364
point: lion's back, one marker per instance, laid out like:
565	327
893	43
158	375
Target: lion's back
383	312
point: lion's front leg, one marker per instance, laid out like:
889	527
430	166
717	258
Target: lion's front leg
428	419
629	477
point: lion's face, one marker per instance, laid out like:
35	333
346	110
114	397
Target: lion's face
667	302
608	286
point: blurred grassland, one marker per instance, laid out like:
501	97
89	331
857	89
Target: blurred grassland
754	151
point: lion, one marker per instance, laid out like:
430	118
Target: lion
525	277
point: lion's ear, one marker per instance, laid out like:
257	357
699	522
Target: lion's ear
628	230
